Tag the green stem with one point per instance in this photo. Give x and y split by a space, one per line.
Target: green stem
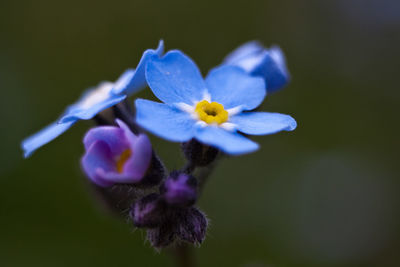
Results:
184 256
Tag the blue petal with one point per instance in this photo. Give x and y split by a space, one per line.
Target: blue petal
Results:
132 81
52 131
165 121
77 112
259 61
243 51
273 68
261 123
232 87
175 78
229 142
124 82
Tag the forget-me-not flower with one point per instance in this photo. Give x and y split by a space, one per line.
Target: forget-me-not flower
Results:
212 111
93 101
256 60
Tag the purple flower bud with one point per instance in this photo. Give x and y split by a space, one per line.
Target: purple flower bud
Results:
179 189
115 155
188 224
147 212
193 226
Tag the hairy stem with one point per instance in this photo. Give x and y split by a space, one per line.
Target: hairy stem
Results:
204 173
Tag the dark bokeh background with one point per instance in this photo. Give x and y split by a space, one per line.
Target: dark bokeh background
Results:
326 194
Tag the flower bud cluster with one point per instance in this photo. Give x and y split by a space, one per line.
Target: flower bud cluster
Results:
170 215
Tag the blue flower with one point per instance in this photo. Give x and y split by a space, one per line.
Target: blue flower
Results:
93 101
256 60
212 111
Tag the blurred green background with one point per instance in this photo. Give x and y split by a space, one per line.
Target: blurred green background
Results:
326 194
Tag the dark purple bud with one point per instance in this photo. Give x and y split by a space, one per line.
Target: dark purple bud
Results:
162 236
179 189
148 212
198 153
193 226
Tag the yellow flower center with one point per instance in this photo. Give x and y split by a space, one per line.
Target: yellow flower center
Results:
211 112
122 160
